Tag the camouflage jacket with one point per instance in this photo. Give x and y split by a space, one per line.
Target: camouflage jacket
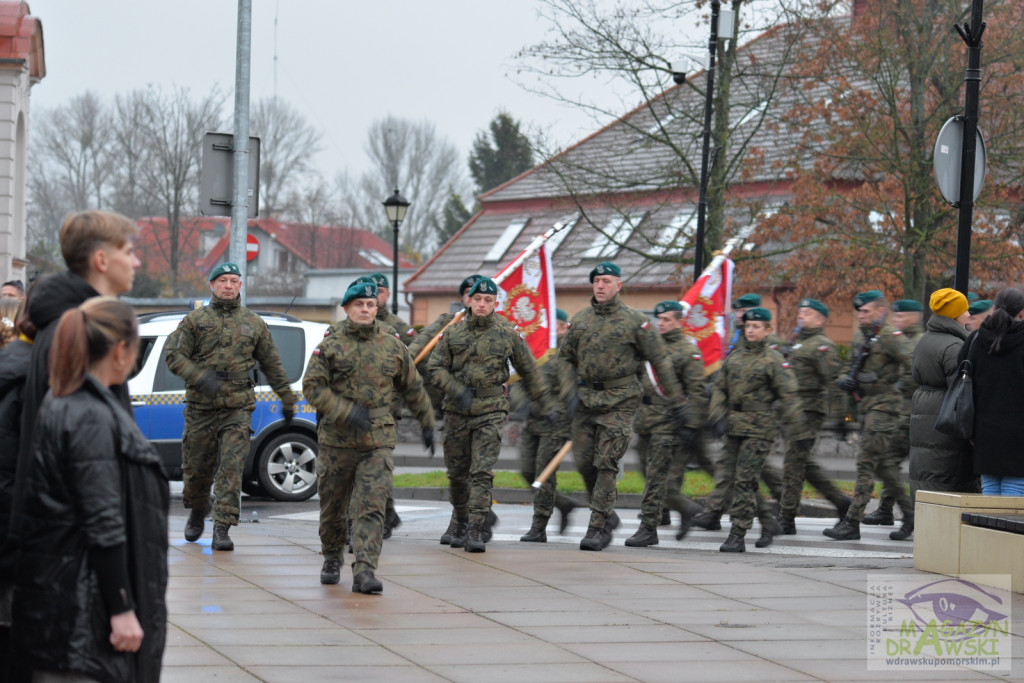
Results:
608 342
654 416
362 365
886 375
424 336
474 353
404 330
815 364
553 371
751 380
229 338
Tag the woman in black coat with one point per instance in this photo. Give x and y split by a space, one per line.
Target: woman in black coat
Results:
90 586
996 351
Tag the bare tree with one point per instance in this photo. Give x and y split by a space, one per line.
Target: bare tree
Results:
129 143
287 145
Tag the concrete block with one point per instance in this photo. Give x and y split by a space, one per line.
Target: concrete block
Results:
988 551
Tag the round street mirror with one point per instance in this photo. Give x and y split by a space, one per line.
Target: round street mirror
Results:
946 159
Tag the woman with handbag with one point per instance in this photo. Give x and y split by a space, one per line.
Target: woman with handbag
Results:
996 352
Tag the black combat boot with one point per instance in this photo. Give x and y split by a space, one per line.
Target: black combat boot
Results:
474 541
643 538
712 521
787 526
330 573
366 582
195 524
459 535
768 533
390 524
446 537
843 506
733 544
904 532
486 529
596 539
845 530
536 534
221 540
666 518
565 506
880 517
612 522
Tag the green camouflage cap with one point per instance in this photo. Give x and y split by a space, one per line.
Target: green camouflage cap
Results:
907 306
757 314
469 282
484 285
380 280
747 301
360 290
225 269
666 306
980 306
814 304
561 315
866 298
605 268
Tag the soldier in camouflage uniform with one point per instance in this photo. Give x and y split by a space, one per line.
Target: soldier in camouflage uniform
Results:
385 315
470 365
662 443
752 379
815 363
885 438
906 317
605 348
540 441
350 380
215 350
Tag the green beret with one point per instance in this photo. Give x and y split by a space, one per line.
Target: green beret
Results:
758 314
605 268
866 298
666 306
907 306
225 269
469 282
979 306
816 305
380 280
360 290
361 279
972 297
747 301
561 315
484 285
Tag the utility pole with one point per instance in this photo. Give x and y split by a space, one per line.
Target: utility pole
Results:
702 201
240 174
971 34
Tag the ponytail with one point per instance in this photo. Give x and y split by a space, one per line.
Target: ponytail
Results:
84 336
1007 306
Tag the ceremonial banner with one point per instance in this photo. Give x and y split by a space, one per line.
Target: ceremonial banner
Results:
708 300
526 296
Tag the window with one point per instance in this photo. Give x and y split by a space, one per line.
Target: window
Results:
675 235
376 258
615 233
753 113
509 236
556 240
291 346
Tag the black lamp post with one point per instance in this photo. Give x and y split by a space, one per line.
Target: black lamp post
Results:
702 200
395 207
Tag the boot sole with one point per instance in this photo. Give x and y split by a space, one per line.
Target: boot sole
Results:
476 548
732 550
855 537
533 540
330 580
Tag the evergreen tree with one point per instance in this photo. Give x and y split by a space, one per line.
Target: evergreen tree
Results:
501 155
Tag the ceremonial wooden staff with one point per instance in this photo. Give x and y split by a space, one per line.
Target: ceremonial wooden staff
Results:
498 279
553 465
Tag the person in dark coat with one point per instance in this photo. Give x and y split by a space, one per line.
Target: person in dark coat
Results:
996 352
938 462
89 595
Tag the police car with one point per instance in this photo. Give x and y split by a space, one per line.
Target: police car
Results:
282 459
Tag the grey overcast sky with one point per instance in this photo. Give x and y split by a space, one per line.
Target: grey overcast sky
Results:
342 63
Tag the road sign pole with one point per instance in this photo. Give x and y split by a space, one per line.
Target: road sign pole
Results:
971 35
240 176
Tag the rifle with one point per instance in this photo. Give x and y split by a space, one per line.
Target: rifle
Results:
792 340
862 354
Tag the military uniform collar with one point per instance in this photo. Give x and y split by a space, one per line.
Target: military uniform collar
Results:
755 346
478 321
607 307
225 304
673 336
808 332
360 331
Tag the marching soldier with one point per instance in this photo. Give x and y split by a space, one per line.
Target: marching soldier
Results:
884 435
470 366
663 444
978 311
384 315
815 364
350 379
215 349
605 347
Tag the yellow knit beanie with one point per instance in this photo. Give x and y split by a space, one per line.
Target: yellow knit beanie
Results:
948 303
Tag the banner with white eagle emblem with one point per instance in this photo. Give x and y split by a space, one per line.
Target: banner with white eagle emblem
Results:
707 302
526 296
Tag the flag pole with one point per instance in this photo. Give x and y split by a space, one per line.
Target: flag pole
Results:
719 256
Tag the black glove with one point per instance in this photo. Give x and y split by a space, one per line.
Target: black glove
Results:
572 405
358 419
428 439
849 385
688 437
287 412
720 427
464 401
208 383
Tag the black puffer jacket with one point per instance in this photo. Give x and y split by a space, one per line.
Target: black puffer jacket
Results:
94 482
14 360
937 462
998 397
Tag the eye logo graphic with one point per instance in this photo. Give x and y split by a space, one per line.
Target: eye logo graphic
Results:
956 603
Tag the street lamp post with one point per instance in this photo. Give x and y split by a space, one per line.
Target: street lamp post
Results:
702 200
395 207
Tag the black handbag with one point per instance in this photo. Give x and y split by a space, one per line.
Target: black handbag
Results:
956 415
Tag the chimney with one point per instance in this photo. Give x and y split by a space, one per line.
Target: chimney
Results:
857 8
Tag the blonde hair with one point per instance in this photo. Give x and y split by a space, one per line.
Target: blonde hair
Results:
10 309
84 336
86 231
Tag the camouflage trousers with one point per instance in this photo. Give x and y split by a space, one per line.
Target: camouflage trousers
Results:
678 463
719 498
353 483
599 440
799 466
657 453
214 447
884 442
888 501
535 452
747 454
471 447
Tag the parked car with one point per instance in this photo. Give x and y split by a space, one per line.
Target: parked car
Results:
282 459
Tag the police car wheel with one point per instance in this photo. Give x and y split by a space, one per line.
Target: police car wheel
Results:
287 467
